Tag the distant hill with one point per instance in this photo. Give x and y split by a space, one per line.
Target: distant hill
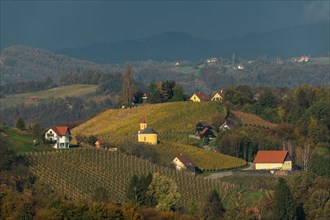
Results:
21 63
288 42
42 96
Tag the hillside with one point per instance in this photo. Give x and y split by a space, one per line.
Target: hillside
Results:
77 173
20 141
173 122
21 63
253 120
57 92
174 117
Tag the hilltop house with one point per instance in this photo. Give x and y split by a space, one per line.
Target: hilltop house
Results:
218 96
145 134
59 135
199 97
183 162
273 160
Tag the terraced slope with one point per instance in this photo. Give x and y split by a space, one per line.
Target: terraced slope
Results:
77 173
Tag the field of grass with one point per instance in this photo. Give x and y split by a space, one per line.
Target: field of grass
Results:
58 92
250 197
174 117
253 120
21 141
76 173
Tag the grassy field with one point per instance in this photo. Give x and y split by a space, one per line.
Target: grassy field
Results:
174 117
77 173
21 141
58 92
251 198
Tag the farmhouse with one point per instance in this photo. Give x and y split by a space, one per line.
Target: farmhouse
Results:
99 144
218 96
199 97
183 162
145 134
273 160
59 136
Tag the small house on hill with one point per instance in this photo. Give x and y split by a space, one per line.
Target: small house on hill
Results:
183 162
199 97
59 136
100 144
145 134
204 130
200 126
218 96
273 160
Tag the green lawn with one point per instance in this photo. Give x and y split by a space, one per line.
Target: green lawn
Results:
21 141
250 197
58 92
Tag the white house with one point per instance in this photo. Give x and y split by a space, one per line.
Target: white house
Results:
59 136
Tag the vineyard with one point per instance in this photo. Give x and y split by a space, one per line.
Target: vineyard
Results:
205 160
77 173
253 120
176 117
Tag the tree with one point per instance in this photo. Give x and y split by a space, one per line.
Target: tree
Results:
154 95
20 123
213 208
284 206
137 189
236 208
178 94
164 191
36 131
128 87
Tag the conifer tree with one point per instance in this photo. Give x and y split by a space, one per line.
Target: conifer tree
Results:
213 208
284 205
20 123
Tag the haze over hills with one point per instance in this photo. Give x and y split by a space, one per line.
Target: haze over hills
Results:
312 39
22 63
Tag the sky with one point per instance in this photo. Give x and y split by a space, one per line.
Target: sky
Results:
59 24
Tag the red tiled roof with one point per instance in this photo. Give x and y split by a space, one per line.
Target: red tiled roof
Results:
202 96
60 130
204 130
143 120
186 161
271 156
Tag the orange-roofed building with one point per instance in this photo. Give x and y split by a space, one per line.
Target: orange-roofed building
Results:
59 136
273 160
